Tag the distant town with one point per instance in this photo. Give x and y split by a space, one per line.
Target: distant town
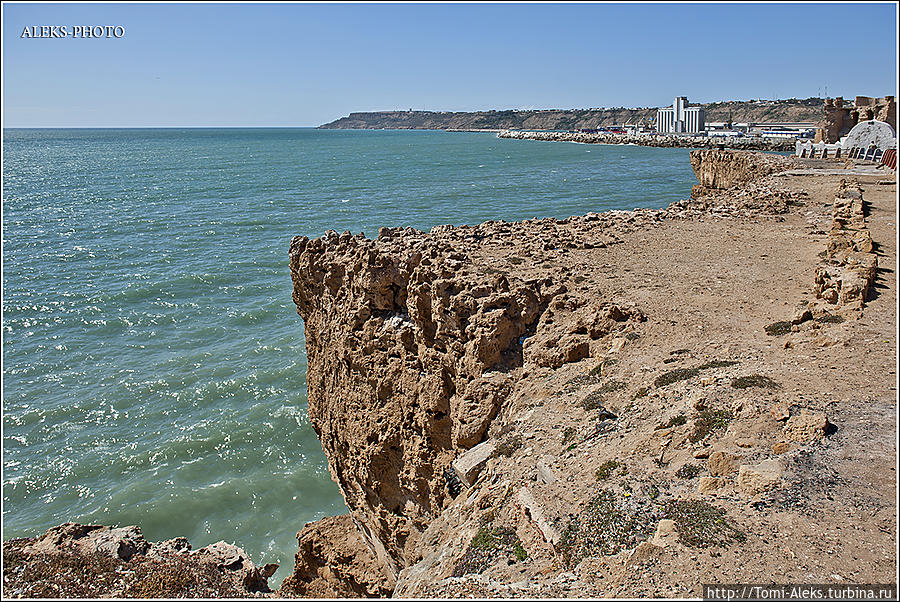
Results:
681 118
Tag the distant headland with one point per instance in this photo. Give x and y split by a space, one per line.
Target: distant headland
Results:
768 111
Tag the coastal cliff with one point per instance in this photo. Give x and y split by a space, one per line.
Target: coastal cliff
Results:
618 404
587 406
414 347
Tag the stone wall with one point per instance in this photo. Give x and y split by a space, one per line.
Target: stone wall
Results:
839 120
850 263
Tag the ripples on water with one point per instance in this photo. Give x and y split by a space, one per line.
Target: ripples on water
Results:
153 363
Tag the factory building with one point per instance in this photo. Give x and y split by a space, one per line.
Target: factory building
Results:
680 119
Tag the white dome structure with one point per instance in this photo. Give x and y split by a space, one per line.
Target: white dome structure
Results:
867 133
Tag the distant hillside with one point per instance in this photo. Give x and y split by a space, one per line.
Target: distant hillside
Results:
792 110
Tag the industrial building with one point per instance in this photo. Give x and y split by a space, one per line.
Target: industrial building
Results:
680 119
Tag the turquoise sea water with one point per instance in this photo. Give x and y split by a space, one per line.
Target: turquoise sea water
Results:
153 362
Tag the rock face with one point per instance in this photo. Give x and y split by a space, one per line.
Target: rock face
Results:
333 561
723 169
411 353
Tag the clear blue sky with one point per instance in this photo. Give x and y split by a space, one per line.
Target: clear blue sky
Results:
306 64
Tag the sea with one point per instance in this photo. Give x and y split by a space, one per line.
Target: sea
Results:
154 366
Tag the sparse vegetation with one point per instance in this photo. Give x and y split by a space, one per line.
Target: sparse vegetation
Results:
701 525
678 420
488 546
611 386
606 525
519 551
583 380
593 401
673 376
609 523
709 421
717 364
778 328
830 319
755 380
508 445
688 471
608 468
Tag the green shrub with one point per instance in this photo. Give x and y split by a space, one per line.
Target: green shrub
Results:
688 471
701 525
487 547
708 421
606 525
673 376
605 470
778 328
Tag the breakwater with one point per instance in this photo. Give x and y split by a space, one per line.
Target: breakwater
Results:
760 144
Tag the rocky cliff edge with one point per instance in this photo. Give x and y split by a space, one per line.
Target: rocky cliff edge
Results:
587 406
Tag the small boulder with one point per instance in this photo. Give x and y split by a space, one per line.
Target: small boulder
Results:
701 453
723 463
539 516
544 472
711 485
666 534
757 478
781 447
806 427
801 315
469 464
780 411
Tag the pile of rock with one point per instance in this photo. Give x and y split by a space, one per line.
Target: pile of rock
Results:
657 140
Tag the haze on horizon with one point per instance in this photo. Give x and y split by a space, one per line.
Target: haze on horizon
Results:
188 65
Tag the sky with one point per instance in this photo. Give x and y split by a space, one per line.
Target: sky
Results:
204 65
